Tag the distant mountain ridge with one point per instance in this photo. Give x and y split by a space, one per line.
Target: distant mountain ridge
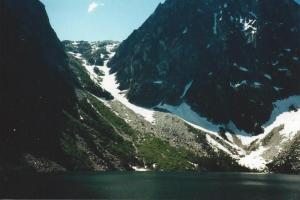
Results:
229 60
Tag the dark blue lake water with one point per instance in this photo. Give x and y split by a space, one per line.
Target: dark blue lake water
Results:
210 186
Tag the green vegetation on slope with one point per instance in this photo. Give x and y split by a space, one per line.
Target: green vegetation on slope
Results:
93 138
161 156
104 131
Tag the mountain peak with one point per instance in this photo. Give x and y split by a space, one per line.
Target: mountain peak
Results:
239 56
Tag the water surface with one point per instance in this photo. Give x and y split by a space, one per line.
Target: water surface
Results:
155 186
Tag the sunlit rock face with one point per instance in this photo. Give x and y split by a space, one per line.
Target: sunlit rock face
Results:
229 60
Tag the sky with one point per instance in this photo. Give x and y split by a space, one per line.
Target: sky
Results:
95 20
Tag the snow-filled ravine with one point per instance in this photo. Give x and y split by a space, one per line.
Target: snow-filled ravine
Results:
255 159
109 83
281 115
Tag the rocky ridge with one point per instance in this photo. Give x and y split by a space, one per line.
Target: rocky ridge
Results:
226 60
256 153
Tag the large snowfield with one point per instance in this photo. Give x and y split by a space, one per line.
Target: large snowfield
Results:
281 115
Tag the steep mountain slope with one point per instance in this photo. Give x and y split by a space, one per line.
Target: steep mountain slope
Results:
35 80
51 117
56 116
64 111
166 141
227 60
289 159
158 145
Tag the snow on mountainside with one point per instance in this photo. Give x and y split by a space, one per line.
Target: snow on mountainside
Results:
53 122
281 129
282 115
110 84
241 55
254 152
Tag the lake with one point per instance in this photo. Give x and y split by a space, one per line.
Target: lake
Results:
153 185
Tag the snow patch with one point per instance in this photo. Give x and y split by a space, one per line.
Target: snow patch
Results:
243 69
216 145
185 30
288 50
139 169
158 82
215 24
283 69
257 85
186 89
89 68
249 24
194 164
110 84
229 137
185 112
254 160
280 116
275 63
245 138
277 88
75 43
237 85
268 76
253 14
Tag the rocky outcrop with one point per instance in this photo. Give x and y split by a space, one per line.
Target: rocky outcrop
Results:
288 160
228 59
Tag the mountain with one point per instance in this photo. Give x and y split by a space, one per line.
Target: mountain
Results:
52 119
57 117
156 144
227 60
62 109
35 80
166 141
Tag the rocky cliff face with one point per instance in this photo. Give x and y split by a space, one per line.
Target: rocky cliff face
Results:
165 142
56 116
50 116
35 79
229 60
